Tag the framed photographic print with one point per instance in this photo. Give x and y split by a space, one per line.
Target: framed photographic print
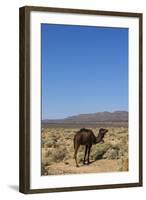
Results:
80 99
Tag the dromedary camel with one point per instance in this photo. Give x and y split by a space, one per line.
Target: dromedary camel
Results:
86 137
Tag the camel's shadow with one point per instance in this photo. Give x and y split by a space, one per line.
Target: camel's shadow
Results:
87 164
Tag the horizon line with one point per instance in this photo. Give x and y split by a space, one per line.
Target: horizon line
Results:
84 114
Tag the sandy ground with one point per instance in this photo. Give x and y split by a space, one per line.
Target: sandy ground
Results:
94 167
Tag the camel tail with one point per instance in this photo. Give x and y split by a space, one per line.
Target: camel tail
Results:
74 141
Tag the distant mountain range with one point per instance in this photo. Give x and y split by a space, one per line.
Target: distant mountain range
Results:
117 116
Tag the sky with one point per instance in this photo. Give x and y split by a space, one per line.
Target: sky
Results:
83 70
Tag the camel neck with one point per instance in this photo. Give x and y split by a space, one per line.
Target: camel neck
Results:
99 138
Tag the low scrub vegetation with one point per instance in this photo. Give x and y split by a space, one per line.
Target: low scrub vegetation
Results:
57 147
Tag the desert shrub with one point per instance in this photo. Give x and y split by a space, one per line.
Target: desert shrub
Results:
122 130
50 143
52 155
116 151
59 154
67 157
67 131
111 153
46 156
116 146
68 134
56 145
100 150
44 152
123 151
68 137
43 143
123 164
80 157
43 170
124 140
48 160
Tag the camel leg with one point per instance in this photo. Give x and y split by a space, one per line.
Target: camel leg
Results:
86 147
89 149
75 154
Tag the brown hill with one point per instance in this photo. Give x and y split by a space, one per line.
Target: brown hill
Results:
117 116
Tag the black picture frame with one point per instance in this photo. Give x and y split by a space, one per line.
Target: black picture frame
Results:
24 142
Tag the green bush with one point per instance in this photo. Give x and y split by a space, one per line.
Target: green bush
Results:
100 150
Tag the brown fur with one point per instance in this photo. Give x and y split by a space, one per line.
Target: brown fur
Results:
86 137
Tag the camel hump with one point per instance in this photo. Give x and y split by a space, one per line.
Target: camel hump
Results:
84 129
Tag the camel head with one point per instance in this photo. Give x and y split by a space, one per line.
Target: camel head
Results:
103 131
101 135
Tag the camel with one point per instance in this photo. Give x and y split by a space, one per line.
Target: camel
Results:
86 137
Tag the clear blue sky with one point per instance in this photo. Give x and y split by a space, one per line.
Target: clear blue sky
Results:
84 70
